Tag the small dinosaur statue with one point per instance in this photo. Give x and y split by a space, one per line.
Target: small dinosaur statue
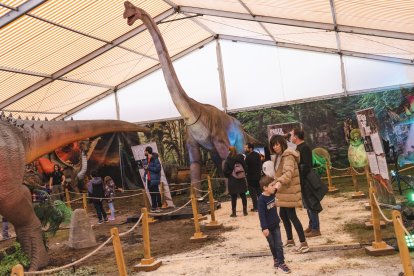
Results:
207 126
21 142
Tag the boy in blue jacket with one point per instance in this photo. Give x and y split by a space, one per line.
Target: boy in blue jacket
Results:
269 222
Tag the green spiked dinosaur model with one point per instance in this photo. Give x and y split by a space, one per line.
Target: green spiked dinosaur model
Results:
23 141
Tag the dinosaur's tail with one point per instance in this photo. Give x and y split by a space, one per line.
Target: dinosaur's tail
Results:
45 136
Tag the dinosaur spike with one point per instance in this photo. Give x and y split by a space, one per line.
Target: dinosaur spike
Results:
10 115
27 118
38 118
32 126
41 126
19 117
33 118
22 125
71 118
46 119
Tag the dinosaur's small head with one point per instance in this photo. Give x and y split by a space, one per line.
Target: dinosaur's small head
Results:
131 13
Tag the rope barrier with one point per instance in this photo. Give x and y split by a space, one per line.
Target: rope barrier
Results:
379 209
403 227
133 227
203 191
73 263
171 212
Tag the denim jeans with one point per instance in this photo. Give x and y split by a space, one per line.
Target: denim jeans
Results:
313 219
5 229
111 207
275 243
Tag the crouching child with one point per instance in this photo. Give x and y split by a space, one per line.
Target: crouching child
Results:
269 222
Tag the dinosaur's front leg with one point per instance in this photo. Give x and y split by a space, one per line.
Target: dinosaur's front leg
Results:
16 203
195 163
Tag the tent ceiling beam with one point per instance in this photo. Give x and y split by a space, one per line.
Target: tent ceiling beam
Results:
315 49
134 79
83 60
31 112
20 11
298 23
37 74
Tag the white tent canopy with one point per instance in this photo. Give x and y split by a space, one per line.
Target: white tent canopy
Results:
62 58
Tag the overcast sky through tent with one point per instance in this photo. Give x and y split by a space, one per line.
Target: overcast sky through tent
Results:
254 74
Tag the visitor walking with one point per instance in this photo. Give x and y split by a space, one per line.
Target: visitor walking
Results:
236 186
288 189
109 189
253 173
311 202
152 176
96 191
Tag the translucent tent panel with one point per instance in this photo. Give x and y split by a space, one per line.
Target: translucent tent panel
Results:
315 10
59 47
57 97
226 5
12 83
148 98
307 75
378 45
178 36
379 14
114 66
235 27
13 3
102 19
100 110
252 74
304 36
362 74
275 75
3 11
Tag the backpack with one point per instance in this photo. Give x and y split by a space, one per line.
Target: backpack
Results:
238 171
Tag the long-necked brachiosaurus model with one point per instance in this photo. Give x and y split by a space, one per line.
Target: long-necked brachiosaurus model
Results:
207 126
23 141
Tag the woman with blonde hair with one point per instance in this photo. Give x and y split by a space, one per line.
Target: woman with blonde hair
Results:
109 188
288 194
236 185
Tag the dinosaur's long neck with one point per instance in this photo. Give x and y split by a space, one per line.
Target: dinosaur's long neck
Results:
183 103
43 137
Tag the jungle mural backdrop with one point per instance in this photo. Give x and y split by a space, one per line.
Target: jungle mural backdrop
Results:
328 124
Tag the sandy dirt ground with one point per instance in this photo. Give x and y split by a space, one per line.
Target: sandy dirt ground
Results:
244 250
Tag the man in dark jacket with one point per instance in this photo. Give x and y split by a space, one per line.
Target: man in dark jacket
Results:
152 176
95 189
310 202
253 173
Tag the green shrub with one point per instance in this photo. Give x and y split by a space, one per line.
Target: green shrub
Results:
12 259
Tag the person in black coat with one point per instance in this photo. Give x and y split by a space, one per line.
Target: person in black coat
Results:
310 201
235 186
96 190
253 173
